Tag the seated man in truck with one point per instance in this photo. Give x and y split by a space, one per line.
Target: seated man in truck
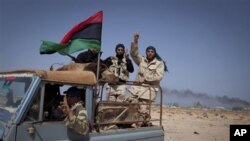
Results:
76 115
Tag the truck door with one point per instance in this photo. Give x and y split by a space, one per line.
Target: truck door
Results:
36 126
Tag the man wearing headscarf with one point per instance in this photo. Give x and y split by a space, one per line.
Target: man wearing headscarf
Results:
120 65
89 56
150 73
76 114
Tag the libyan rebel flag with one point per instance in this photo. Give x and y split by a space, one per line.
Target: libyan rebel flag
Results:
84 35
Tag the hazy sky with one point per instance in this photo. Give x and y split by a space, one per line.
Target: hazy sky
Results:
205 42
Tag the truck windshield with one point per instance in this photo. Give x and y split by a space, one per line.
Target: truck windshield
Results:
13 88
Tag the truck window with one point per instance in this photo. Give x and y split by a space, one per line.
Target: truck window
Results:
52 98
33 112
53 95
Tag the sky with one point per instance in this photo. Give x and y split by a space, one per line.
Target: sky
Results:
204 42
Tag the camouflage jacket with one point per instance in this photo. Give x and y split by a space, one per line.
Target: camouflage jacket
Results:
150 72
80 122
121 71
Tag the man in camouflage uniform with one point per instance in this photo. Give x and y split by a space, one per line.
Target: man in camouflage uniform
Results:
76 115
120 65
150 73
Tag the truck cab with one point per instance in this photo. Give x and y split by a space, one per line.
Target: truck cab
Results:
29 101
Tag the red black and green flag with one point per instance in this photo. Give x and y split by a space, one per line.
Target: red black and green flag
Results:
84 35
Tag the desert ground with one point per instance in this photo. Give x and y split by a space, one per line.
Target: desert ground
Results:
193 124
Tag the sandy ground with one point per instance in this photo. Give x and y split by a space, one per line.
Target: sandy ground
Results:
193 124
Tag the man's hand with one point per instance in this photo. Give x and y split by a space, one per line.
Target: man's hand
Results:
64 106
113 58
136 37
126 55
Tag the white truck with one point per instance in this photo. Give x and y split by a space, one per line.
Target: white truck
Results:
29 101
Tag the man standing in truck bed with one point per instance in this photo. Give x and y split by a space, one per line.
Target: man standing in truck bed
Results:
150 73
120 65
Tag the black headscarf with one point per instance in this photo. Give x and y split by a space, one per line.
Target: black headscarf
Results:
119 45
157 56
121 55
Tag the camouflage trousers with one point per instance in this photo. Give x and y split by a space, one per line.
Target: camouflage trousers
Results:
143 111
116 92
144 96
143 92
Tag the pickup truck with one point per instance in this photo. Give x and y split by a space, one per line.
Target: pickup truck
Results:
28 109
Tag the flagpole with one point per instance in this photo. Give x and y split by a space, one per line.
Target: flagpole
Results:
98 66
95 91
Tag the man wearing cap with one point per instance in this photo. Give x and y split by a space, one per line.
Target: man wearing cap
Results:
150 73
76 115
120 65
